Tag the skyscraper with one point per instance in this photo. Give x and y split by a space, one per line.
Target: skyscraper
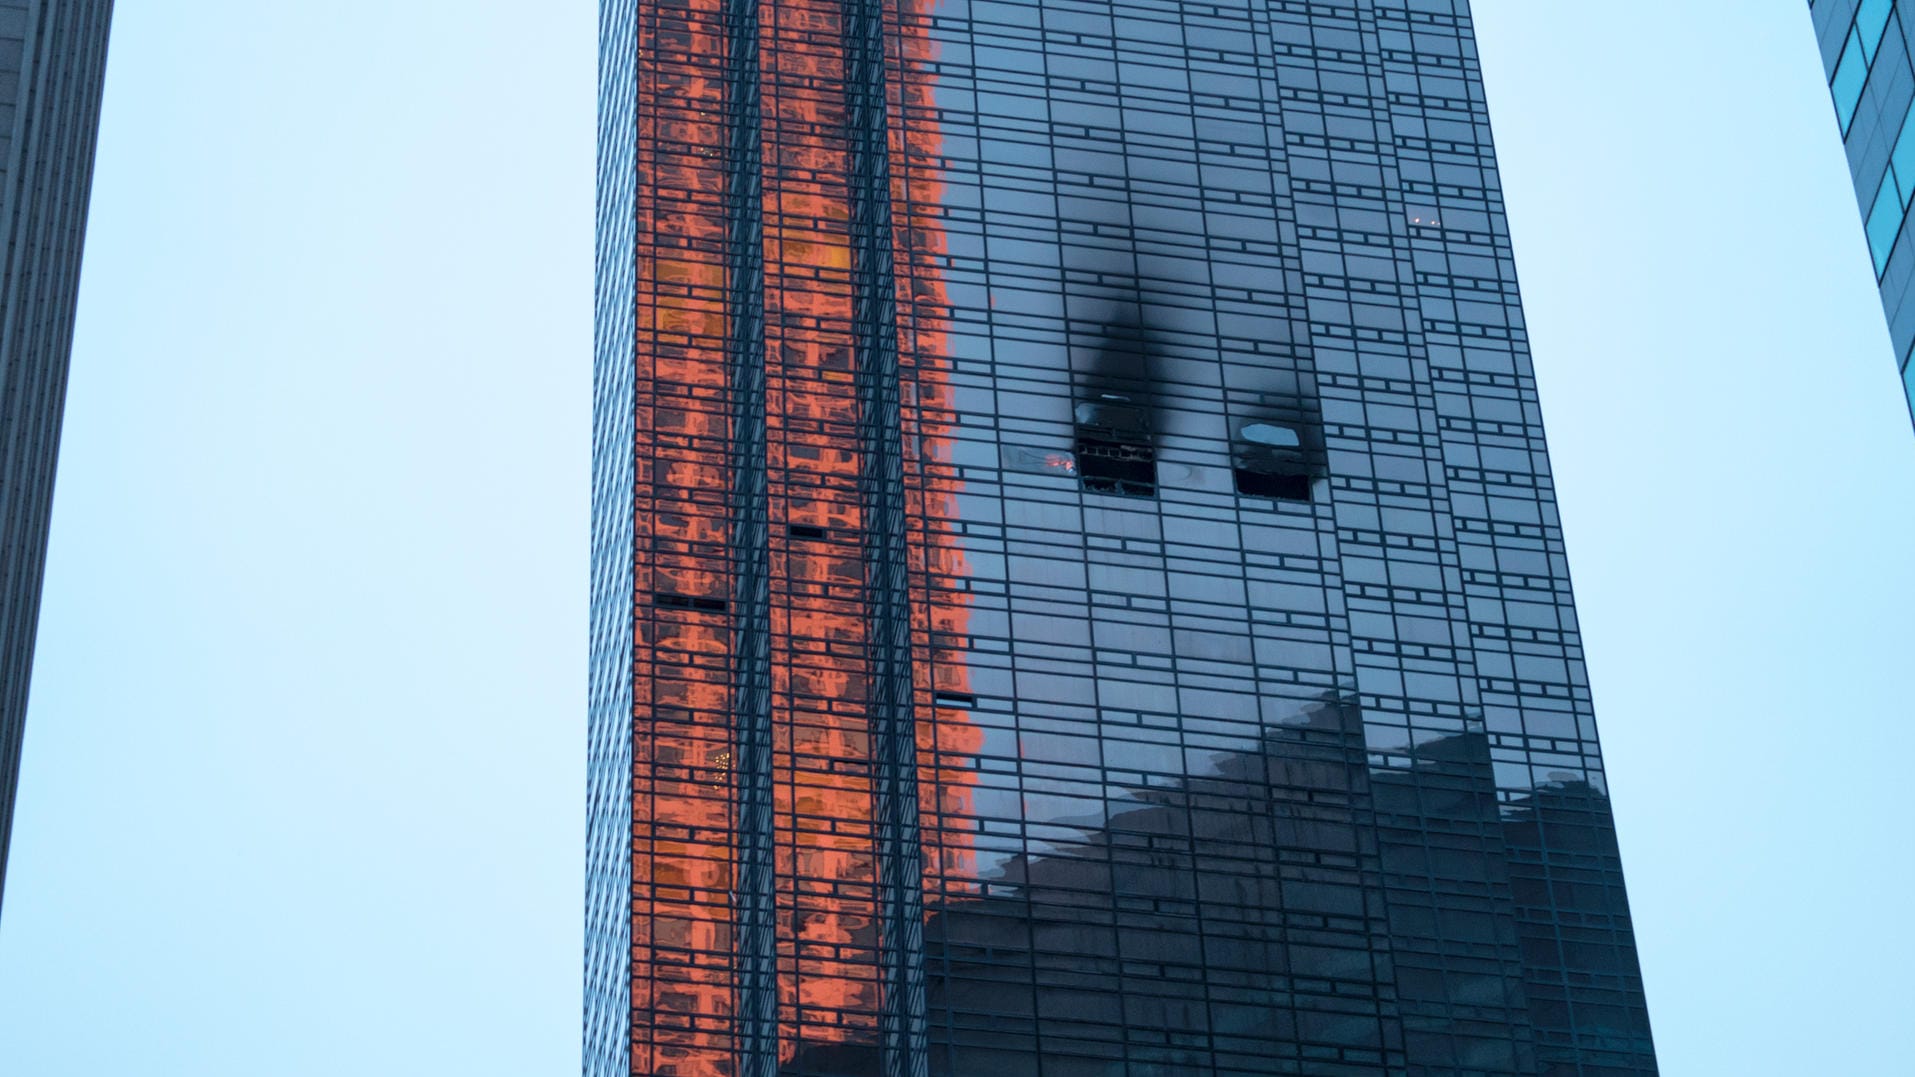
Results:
52 63
1865 53
1077 584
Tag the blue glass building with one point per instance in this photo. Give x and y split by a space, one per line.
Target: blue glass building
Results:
1866 47
1077 581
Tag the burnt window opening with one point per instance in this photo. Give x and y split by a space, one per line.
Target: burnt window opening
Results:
698 603
1253 483
1272 459
1113 448
807 532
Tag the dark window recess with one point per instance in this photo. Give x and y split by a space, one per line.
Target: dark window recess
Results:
957 699
1114 450
691 602
1264 484
1271 460
806 531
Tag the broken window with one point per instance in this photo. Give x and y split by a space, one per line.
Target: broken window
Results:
1270 459
1113 449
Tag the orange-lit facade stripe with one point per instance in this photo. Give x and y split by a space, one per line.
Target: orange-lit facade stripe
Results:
685 961
682 925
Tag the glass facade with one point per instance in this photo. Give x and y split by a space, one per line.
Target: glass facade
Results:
1866 48
52 68
1077 584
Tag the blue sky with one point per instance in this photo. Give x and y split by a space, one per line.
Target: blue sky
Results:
303 785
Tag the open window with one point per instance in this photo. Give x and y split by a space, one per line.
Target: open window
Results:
698 603
1113 448
1272 458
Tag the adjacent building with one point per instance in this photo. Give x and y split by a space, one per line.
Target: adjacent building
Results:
1077 586
1866 47
52 64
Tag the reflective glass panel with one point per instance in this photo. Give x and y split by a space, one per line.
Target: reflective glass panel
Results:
1851 73
1884 224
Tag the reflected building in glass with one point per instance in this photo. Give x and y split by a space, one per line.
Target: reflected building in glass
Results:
1077 584
1866 48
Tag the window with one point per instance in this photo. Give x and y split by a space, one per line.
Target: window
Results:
1901 159
1894 195
1884 223
1908 381
1858 55
699 603
1114 450
1851 72
1870 21
1270 460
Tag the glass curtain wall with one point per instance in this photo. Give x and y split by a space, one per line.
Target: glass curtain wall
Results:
1079 586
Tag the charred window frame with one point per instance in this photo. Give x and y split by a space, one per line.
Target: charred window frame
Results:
1277 456
1113 446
